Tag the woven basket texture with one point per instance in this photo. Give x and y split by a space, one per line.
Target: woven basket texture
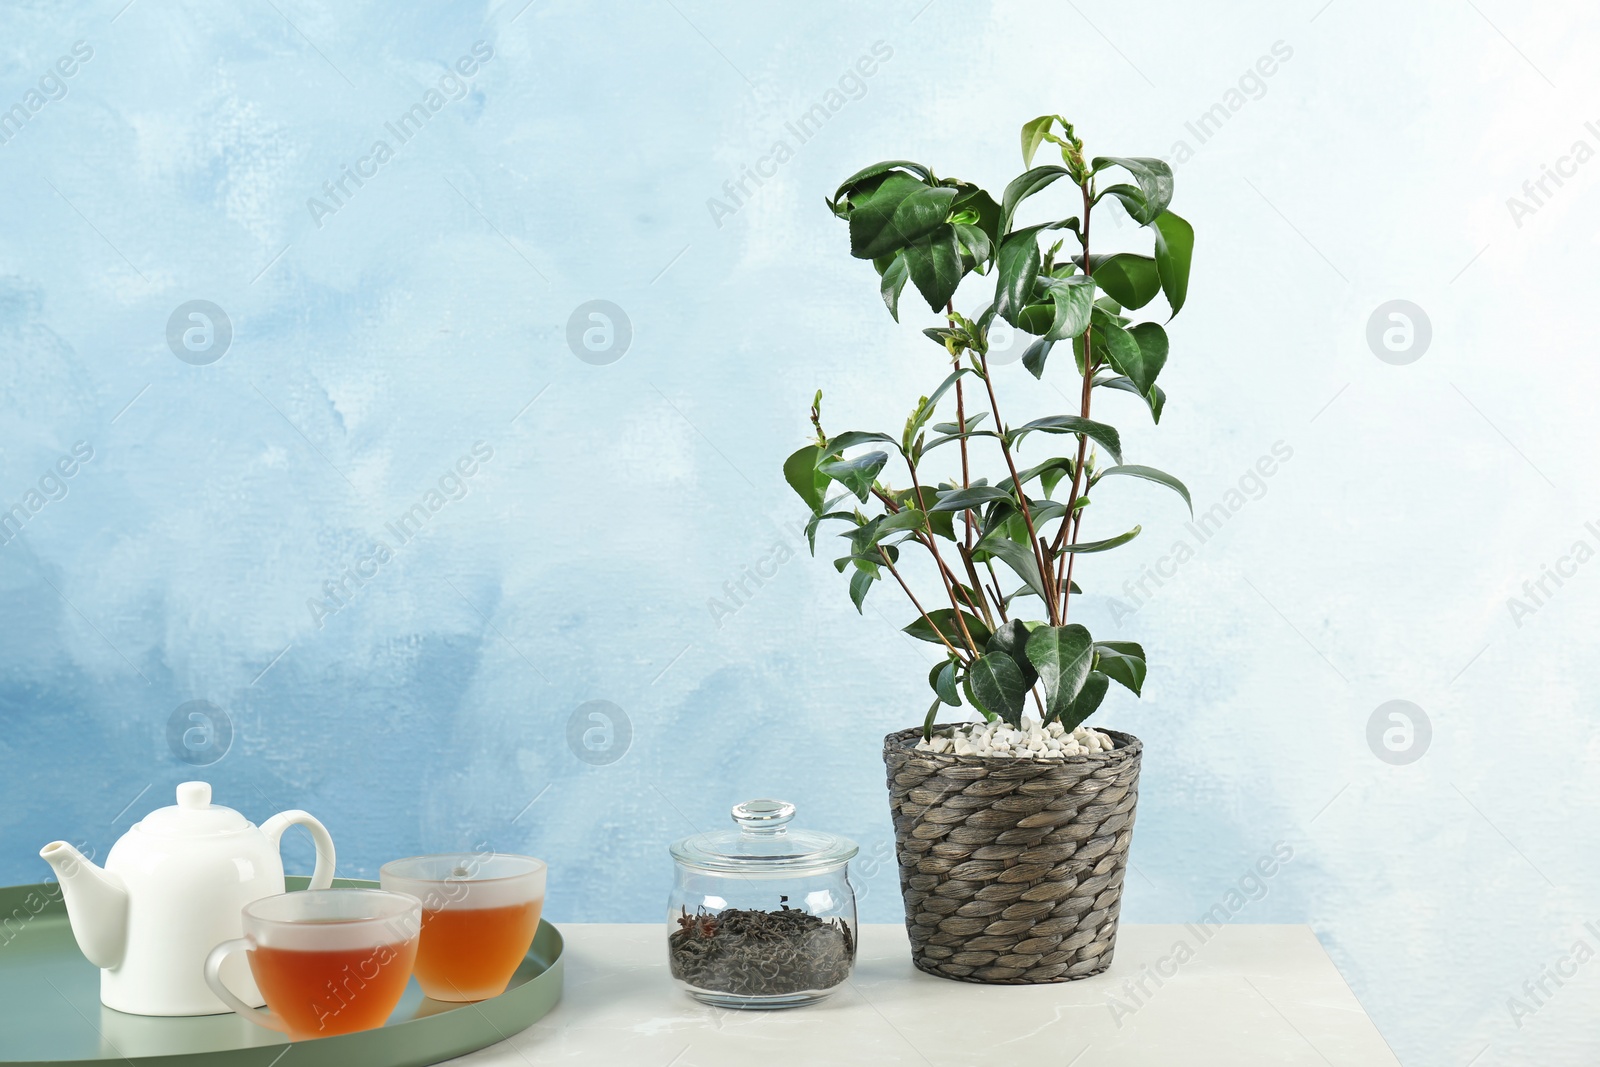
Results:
1012 869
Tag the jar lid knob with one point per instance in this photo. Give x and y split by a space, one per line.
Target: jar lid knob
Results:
763 816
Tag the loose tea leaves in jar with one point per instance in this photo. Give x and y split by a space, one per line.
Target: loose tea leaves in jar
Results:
760 953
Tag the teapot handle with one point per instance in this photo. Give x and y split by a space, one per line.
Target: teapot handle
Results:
322 875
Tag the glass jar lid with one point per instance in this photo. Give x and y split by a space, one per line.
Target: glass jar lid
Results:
763 842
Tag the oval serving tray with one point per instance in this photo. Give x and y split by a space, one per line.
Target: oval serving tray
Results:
51 1015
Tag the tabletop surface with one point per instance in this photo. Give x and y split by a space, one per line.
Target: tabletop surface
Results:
1191 995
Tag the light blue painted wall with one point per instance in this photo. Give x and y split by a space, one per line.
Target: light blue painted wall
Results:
422 318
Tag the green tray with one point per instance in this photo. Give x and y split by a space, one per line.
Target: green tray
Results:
51 1015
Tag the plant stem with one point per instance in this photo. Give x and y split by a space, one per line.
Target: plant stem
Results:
1046 572
945 574
918 604
1074 518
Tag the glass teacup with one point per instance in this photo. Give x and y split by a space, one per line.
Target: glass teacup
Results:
479 914
327 961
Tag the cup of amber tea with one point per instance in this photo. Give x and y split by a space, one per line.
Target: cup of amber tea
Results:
327 961
480 911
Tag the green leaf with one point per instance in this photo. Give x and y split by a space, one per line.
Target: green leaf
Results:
1024 186
1062 655
1154 178
1102 546
800 471
935 264
1132 200
1074 302
1011 639
871 216
944 619
860 582
1123 662
856 475
1034 357
924 412
882 168
997 686
1033 135
1087 700
975 201
851 438
973 418
1017 268
1155 399
970 499
1099 432
893 282
1019 558
1152 342
1120 347
1150 474
904 519
975 243
1174 250
1132 281
943 680
916 215
1049 473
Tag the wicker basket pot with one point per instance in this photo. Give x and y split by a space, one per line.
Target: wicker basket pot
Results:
1011 869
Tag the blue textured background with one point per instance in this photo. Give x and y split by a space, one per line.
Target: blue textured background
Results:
429 313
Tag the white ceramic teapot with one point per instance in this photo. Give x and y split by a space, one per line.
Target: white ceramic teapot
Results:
171 890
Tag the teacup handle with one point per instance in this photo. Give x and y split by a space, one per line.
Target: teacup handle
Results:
224 994
322 874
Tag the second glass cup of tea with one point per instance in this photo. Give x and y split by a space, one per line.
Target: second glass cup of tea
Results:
480 911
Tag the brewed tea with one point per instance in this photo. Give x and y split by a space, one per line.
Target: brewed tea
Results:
318 993
471 953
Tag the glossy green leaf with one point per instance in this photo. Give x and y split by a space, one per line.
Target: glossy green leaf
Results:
1033 135
1152 342
1016 270
851 438
1133 201
1132 281
972 421
1087 700
942 678
1073 299
1120 347
1174 250
945 620
882 168
915 216
1019 558
1062 655
1024 186
1150 474
871 216
800 471
1101 546
1033 359
1099 432
935 264
971 200
970 499
1123 662
893 283
1011 639
904 519
1153 176
1155 399
856 475
998 686
860 582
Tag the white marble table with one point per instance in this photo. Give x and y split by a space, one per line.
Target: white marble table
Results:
1243 995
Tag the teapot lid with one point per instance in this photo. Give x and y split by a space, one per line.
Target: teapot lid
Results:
193 815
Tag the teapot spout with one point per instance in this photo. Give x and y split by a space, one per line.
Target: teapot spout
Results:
97 903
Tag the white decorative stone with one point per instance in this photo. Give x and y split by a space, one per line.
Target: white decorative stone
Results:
1030 741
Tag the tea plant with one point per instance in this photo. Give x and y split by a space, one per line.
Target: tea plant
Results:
933 232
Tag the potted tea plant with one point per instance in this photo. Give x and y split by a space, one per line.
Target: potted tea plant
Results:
1011 832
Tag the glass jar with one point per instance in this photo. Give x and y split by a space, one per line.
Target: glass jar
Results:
762 916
